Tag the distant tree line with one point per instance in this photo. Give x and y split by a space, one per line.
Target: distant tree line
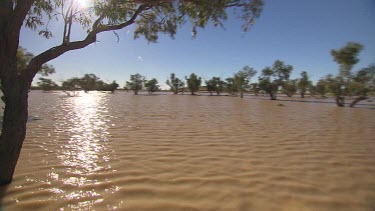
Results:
272 81
89 82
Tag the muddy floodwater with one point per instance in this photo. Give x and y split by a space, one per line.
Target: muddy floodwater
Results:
102 151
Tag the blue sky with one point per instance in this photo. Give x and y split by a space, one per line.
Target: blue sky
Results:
299 32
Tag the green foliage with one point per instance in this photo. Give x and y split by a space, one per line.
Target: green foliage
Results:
215 85
335 85
266 85
89 82
346 57
150 16
363 81
303 83
231 86
273 78
71 84
242 79
193 83
321 87
345 84
290 87
152 85
254 87
135 83
175 83
23 59
102 86
46 84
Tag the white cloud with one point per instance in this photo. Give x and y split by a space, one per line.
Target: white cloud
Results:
140 58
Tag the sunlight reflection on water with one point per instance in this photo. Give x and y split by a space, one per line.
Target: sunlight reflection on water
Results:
87 152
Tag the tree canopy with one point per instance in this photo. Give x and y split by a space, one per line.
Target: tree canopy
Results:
46 84
175 83
342 85
136 83
242 79
152 85
347 57
274 77
303 83
215 84
193 83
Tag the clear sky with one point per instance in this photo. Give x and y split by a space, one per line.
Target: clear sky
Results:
299 32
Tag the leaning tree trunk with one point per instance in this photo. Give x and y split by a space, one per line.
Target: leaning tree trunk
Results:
15 94
357 100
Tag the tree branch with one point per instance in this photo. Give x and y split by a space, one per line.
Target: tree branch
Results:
140 9
52 53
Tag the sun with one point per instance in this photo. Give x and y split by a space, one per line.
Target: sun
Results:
84 3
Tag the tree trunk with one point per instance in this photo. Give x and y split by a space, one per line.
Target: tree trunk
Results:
340 101
302 94
14 125
357 100
272 96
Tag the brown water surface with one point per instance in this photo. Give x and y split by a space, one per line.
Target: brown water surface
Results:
104 151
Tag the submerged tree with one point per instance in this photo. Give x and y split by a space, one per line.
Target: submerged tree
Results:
150 17
242 79
231 86
46 84
152 85
89 82
254 87
215 84
290 87
102 86
321 87
135 83
363 83
303 83
274 77
71 84
175 83
193 83
346 57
